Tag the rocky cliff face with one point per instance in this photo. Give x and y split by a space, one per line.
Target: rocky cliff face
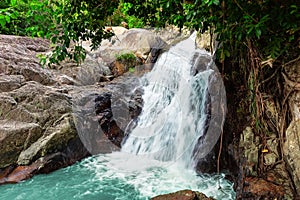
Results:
291 148
53 117
266 167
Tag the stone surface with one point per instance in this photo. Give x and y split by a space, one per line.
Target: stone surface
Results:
183 195
11 82
292 151
250 148
144 44
292 85
291 147
257 188
14 138
53 117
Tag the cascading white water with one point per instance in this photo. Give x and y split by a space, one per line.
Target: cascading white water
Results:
174 111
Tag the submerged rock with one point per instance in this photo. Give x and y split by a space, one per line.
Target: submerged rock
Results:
183 195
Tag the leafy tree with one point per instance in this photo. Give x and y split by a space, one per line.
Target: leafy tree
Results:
65 22
257 39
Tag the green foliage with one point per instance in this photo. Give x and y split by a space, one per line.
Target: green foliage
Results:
25 17
131 69
121 15
273 26
128 57
65 22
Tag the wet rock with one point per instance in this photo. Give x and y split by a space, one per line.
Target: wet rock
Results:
278 175
18 174
101 117
183 195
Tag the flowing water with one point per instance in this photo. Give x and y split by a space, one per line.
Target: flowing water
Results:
159 153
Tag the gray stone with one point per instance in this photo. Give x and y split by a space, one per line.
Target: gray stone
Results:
53 140
250 146
10 82
14 137
292 151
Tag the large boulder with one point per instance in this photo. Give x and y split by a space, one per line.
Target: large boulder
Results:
143 44
53 117
14 138
183 195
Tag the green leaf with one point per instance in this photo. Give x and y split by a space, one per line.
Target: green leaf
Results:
216 2
7 18
13 3
250 30
227 53
2 21
14 15
258 33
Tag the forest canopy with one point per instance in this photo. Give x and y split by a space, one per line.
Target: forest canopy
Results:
272 26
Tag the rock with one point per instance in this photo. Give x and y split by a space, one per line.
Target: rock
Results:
36 73
171 34
257 188
183 195
18 174
38 106
292 152
19 57
7 103
272 155
144 44
53 140
141 41
278 175
11 82
250 146
14 137
102 116
291 146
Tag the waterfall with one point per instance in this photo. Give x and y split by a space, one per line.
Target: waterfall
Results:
176 111
183 113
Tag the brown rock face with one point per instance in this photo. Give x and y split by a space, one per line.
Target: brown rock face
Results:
183 195
257 188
